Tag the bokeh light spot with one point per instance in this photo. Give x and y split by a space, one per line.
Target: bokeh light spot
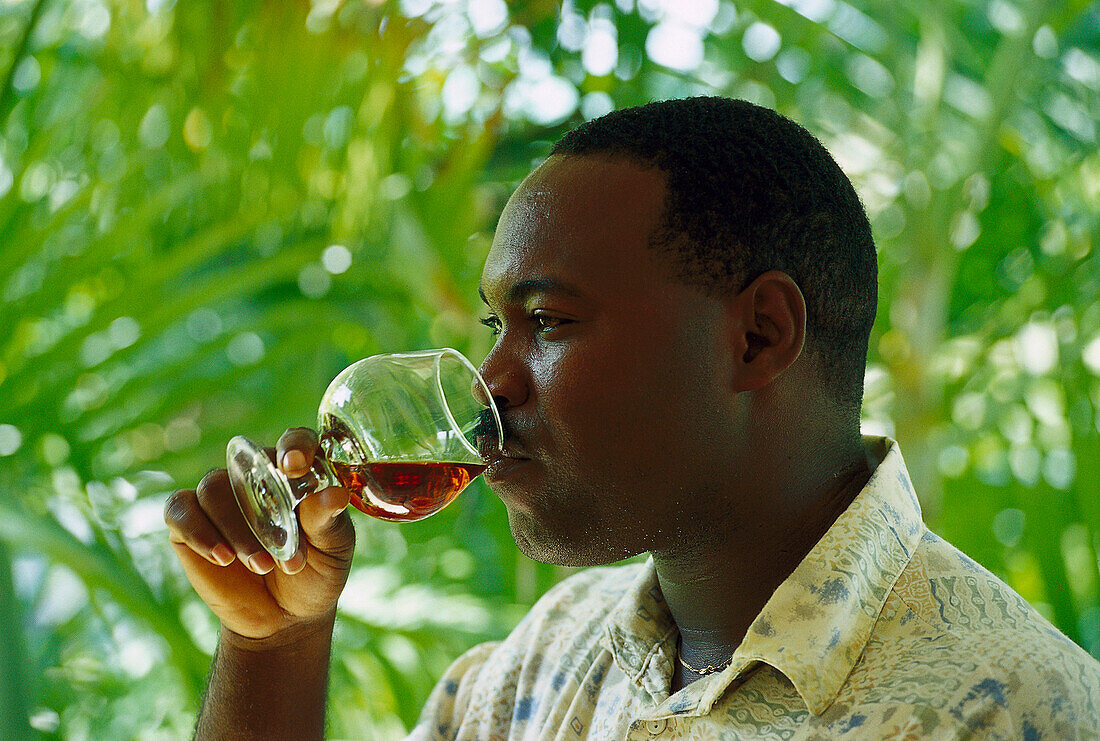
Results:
45 720
123 332
314 281
6 178
1036 348
395 186
1090 355
337 127
55 449
601 50
1045 43
953 461
1060 468
761 42
817 11
155 127
1008 526
27 75
1082 67
545 102
336 258
245 349
203 325
596 104
1006 18
1024 462
415 8
674 46
197 130
37 180
572 31
95 20
459 93
487 17
965 230
793 65
695 13
869 76
182 433
11 439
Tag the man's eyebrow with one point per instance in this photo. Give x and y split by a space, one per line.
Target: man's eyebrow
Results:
520 291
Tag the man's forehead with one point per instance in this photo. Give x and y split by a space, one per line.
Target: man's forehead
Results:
532 208
528 258
575 225
581 201
593 188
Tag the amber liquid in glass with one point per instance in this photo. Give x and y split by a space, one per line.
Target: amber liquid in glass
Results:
402 492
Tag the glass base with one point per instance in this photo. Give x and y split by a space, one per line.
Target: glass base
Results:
264 496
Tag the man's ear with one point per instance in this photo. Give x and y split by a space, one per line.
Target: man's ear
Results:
767 322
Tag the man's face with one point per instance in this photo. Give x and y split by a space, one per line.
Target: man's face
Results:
612 376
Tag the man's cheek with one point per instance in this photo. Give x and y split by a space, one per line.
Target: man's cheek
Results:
611 422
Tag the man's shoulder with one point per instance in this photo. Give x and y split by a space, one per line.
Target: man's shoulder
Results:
954 594
950 618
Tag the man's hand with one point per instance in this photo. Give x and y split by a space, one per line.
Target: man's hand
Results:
253 595
277 618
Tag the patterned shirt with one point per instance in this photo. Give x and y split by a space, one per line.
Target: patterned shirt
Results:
883 631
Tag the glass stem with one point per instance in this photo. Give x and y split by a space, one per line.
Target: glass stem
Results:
319 476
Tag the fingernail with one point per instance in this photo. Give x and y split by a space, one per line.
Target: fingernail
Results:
295 564
222 554
293 460
261 563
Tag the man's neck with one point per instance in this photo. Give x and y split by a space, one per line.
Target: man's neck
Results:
717 586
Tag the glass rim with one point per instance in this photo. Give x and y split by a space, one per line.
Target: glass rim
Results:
439 353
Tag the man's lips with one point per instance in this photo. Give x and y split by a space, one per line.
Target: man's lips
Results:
502 462
502 466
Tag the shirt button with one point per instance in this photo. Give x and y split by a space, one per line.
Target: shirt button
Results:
656 726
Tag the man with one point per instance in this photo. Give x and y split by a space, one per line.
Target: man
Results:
682 295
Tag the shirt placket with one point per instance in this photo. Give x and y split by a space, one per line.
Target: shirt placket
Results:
673 717
643 730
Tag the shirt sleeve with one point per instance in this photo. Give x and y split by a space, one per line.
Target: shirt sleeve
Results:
443 712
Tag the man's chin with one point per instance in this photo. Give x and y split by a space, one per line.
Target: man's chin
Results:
579 547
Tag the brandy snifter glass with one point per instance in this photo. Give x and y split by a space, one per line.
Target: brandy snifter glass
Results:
400 431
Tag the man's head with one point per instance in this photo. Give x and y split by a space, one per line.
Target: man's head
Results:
750 191
647 282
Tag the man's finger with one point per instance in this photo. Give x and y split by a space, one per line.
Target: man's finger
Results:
188 525
295 451
215 497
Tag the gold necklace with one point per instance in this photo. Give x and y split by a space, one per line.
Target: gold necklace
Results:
708 669
855 469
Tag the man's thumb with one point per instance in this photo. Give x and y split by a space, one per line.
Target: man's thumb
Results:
326 523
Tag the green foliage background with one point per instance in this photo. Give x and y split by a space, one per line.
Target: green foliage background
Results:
181 187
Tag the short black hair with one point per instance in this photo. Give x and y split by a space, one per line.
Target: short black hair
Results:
751 191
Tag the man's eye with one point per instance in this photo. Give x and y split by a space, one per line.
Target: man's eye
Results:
546 322
492 323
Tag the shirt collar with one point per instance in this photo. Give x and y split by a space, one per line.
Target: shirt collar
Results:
818 621
815 625
641 634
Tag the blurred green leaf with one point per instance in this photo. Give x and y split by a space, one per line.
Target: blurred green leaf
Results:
171 177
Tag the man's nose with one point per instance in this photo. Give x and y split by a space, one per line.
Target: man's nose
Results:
480 393
504 381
